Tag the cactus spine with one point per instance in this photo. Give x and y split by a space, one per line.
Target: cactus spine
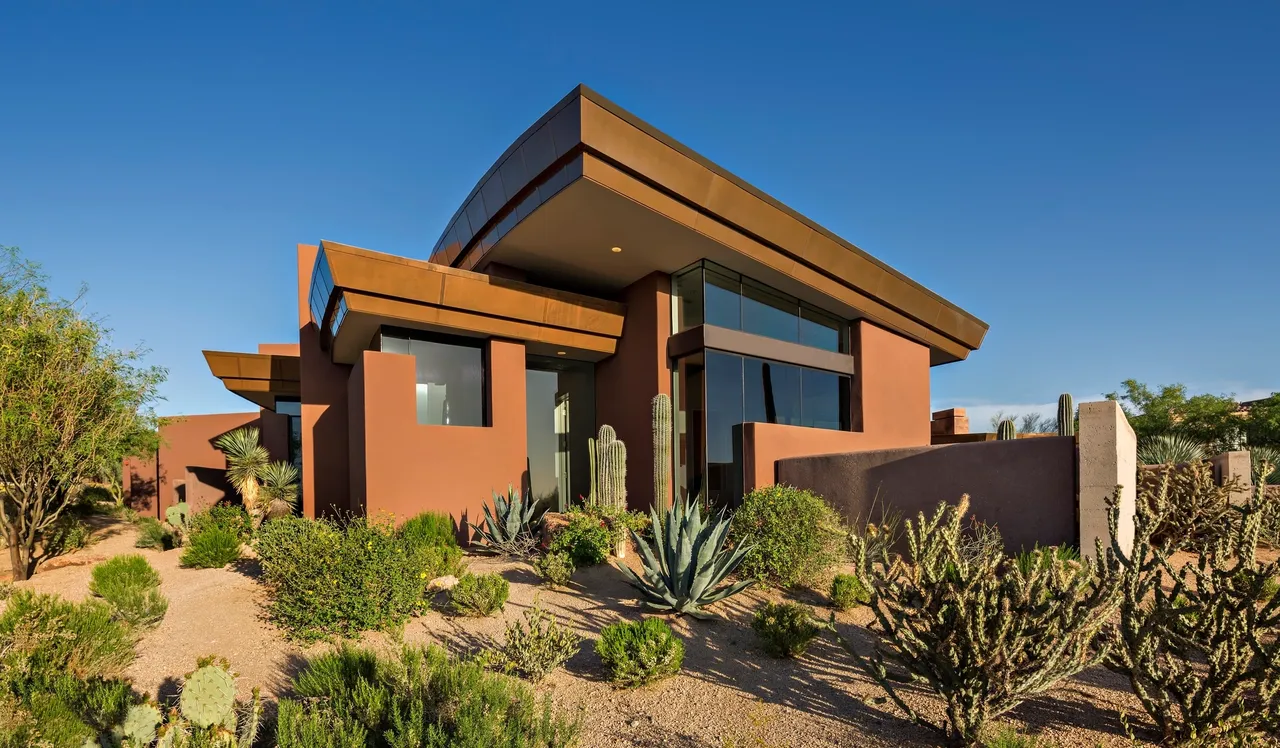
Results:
1007 430
611 461
1066 415
662 452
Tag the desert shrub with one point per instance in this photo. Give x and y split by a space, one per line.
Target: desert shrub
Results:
555 567
152 534
213 548
328 578
1045 558
479 594
785 629
795 536
848 592
231 518
354 698
131 587
1010 738
67 534
1170 449
511 524
978 632
535 646
1197 511
6 590
429 529
641 652
1200 641
586 539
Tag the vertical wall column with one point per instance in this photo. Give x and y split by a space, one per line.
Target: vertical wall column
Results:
1108 458
1238 467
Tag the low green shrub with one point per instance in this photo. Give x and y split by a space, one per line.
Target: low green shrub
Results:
67 534
429 529
848 592
354 698
785 629
213 548
795 536
586 539
231 518
131 587
640 652
556 568
536 646
479 594
328 578
152 534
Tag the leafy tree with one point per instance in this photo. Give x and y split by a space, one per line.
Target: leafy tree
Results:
1212 420
1262 426
71 406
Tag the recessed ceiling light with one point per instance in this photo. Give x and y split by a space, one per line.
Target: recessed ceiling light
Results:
616 250
561 353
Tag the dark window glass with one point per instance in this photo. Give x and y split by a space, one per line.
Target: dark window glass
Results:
687 395
688 287
766 313
821 330
724 403
772 392
826 400
450 379
723 302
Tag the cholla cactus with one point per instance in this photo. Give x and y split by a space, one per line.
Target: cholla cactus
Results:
1066 415
980 632
662 432
1007 430
509 527
1200 642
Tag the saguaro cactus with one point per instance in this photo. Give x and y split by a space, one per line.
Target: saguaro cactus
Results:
1007 430
661 453
611 461
1066 415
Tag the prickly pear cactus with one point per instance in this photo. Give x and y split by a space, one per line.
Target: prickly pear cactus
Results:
1066 415
208 696
662 452
1007 430
139 726
178 516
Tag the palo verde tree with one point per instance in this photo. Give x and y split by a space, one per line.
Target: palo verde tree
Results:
71 406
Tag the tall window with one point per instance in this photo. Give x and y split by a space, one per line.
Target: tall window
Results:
293 409
450 379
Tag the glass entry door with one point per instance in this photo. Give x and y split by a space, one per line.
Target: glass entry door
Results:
559 418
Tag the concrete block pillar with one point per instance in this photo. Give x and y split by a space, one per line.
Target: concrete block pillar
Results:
1238 466
1108 457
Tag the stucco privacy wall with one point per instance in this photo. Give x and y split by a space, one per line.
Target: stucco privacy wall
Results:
890 409
1108 458
325 459
402 468
1026 488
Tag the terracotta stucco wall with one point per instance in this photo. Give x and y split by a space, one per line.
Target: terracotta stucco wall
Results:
191 467
627 382
890 409
325 459
402 468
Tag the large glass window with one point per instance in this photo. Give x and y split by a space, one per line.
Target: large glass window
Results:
713 295
293 409
560 417
450 376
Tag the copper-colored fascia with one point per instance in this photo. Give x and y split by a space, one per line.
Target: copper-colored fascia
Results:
380 288
259 378
586 122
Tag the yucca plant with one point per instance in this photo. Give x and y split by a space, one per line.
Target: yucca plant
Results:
246 460
278 494
1169 449
509 528
685 570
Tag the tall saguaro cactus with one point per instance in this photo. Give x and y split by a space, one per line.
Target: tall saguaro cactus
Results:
1007 430
662 452
1066 415
609 471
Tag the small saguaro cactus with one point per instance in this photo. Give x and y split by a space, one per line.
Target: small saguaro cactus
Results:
662 452
611 461
1066 415
1007 430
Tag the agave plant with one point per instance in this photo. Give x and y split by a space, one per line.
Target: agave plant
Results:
246 459
509 527
1170 449
278 495
685 569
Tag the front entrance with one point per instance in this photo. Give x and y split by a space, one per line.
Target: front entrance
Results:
560 417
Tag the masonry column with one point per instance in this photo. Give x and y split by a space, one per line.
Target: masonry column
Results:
1108 457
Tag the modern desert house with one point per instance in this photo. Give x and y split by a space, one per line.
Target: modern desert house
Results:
595 265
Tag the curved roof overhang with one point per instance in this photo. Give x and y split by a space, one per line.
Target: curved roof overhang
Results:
260 378
589 176
356 291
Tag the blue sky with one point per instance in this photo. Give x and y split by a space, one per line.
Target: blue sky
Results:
1101 184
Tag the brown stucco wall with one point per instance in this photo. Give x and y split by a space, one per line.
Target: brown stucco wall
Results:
408 468
1025 487
627 382
890 409
325 459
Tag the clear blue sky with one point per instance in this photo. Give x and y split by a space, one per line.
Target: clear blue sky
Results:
1100 183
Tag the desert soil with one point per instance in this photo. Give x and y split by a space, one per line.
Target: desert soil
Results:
729 692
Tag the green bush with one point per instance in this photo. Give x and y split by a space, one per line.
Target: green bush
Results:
586 539
848 592
795 535
152 534
353 698
227 517
556 568
429 529
213 548
536 646
479 594
68 533
130 586
331 579
641 652
785 629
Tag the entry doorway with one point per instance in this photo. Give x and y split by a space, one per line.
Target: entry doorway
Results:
560 415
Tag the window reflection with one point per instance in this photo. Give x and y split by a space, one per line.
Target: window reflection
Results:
449 377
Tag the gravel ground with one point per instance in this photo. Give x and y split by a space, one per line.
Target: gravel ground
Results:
729 694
